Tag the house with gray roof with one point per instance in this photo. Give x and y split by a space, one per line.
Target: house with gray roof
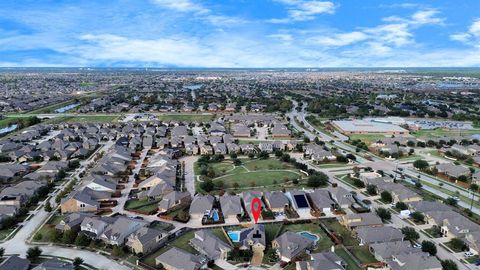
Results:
253 238
72 221
54 264
353 221
384 251
117 232
290 245
175 258
14 263
173 200
206 243
370 235
145 240
322 261
407 261
201 205
321 201
452 170
231 206
276 201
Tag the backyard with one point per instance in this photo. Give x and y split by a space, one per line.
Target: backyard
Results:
323 244
181 242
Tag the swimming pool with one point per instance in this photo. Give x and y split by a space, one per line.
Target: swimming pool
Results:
215 216
310 236
234 235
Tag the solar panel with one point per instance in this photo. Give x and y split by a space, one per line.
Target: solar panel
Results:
301 201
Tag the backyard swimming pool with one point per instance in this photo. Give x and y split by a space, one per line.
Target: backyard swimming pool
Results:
234 235
310 236
215 216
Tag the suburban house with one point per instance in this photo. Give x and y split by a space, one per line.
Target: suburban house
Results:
231 207
353 221
321 201
86 200
371 235
290 245
117 232
72 221
175 258
407 261
14 262
145 240
384 251
201 205
173 200
452 170
253 238
325 260
210 245
276 201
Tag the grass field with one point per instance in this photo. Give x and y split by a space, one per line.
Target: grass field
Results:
441 132
366 138
268 173
142 205
323 244
8 121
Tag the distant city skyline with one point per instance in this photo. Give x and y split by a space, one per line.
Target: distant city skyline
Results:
240 34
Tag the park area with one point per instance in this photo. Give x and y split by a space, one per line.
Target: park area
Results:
269 174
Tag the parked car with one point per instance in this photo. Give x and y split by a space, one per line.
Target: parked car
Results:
468 254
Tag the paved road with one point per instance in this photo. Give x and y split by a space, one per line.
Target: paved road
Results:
189 173
396 221
19 243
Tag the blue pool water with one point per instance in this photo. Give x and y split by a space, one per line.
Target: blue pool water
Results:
234 235
310 236
215 216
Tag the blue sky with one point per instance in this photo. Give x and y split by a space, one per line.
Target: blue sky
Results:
240 33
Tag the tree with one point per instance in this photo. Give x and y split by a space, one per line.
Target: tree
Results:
2 252
82 240
33 253
48 206
77 262
474 188
207 185
458 244
449 265
451 201
371 189
410 234
117 251
358 183
418 217
317 180
401 206
69 237
386 197
420 164
429 247
384 214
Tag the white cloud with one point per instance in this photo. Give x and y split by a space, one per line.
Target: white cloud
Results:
182 5
337 40
426 16
471 37
303 10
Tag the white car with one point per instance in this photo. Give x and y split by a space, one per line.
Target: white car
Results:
416 245
468 254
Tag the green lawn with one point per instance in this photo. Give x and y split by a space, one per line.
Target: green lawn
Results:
441 132
142 205
339 229
180 242
267 164
258 178
351 265
362 254
366 138
323 244
5 232
271 230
